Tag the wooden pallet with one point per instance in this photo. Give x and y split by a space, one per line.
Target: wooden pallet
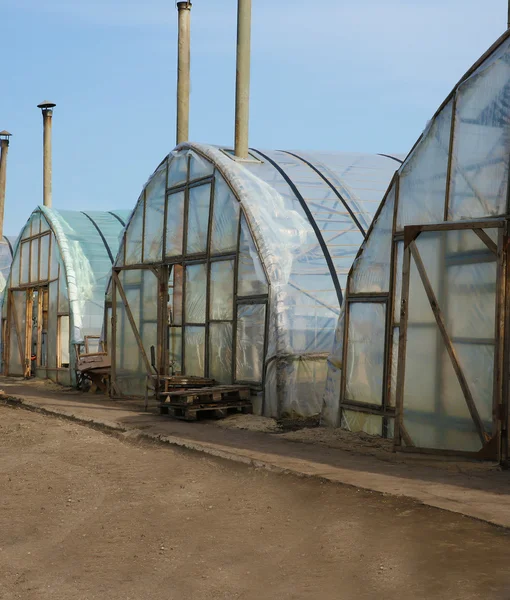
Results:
186 404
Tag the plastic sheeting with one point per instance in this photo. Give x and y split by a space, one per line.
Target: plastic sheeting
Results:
286 232
457 171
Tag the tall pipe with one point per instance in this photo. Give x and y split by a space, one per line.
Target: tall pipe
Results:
183 71
243 77
4 148
47 114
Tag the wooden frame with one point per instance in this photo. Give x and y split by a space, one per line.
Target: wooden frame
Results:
490 445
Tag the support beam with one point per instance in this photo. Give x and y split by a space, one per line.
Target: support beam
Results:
47 114
4 148
243 78
183 71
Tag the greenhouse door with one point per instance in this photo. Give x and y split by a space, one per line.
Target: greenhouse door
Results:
449 382
18 332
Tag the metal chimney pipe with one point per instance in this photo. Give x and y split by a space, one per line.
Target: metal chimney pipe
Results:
4 148
183 71
47 113
243 77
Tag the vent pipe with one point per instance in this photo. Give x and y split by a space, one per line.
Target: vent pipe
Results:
4 148
47 114
243 77
183 71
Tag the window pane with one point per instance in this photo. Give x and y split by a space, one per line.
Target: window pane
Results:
175 295
134 235
251 321
220 352
365 352
198 218
194 342
154 216
222 290
34 261
199 167
25 261
178 170
64 341
225 218
174 224
196 293
175 350
252 280
45 255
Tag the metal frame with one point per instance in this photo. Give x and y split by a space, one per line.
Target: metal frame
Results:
163 269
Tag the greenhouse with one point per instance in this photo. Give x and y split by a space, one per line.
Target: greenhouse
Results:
7 244
54 298
235 270
421 351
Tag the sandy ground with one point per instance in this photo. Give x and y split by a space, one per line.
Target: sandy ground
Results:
84 515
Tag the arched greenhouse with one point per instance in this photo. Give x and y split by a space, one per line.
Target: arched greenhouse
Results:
54 296
7 244
235 269
422 347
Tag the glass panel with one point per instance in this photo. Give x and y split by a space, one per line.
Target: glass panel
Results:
365 352
175 295
371 270
34 261
222 290
399 265
199 167
25 261
52 324
54 251
251 322
64 341
174 224
175 350
220 352
464 283
17 360
14 269
394 366
481 148
225 218
35 224
422 190
63 296
178 170
45 257
196 293
198 218
134 233
154 216
358 421
251 276
194 349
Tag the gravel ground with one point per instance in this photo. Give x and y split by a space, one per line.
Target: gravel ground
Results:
84 515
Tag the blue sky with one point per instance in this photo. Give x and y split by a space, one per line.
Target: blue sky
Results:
359 75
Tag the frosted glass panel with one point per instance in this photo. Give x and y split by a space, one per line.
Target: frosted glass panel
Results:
196 293
174 224
251 277
251 320
365 352
194 350
222 290
154 216
220 352
225 218
198 218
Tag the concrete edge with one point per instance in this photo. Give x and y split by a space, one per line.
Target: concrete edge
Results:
242 457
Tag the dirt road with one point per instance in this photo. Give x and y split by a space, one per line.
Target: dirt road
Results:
85 516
